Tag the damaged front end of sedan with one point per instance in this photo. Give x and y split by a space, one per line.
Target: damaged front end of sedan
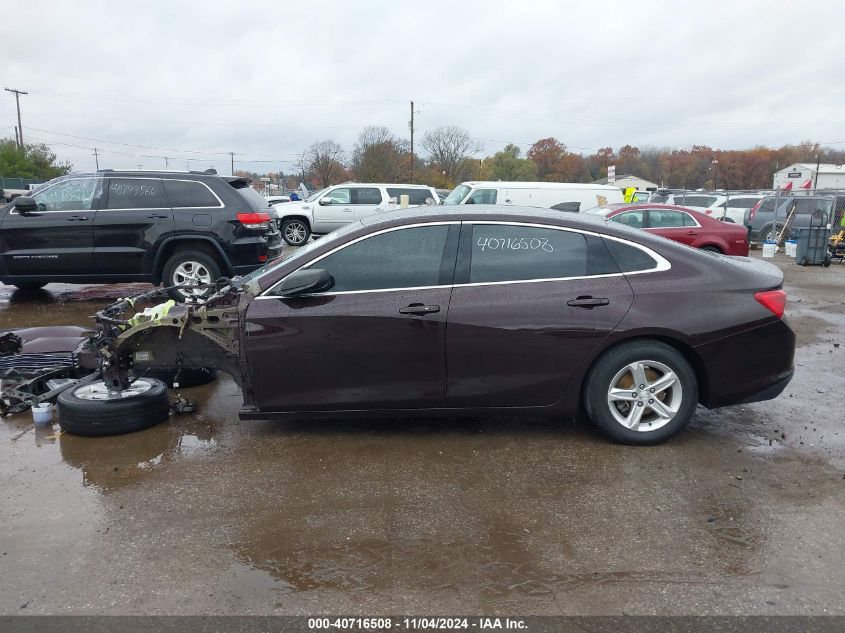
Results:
131 339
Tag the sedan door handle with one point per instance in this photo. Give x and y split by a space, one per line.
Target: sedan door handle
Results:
588 302
419 308
156 216
77 218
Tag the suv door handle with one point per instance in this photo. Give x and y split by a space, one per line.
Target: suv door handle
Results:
77 218
588 302
347 210
419 308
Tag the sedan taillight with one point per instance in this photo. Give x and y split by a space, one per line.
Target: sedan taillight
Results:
772 300
254 220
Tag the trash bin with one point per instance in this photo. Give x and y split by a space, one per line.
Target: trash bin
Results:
812 247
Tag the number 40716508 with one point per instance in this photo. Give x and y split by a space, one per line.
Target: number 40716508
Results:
515 244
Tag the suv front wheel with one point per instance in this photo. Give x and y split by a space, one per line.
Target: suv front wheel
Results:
295 231
189 268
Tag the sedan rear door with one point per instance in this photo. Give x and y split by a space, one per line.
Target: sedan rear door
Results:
375 340
529 305
673 224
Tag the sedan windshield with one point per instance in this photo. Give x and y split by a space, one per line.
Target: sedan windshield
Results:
458 194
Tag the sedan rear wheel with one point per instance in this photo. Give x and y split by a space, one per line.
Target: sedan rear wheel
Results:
712 249
641 392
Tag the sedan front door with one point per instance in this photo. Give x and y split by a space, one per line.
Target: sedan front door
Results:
375 340
529 305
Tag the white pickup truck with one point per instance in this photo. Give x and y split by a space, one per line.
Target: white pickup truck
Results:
333 207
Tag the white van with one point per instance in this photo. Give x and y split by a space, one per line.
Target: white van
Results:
563 196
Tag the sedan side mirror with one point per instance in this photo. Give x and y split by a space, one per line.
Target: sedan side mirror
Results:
305 281
25 204
325 202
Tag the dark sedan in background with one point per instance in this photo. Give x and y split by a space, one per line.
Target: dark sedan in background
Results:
680 225
491 310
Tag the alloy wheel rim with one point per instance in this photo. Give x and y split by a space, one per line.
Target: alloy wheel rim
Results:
191 273
295 232
644 396
99 391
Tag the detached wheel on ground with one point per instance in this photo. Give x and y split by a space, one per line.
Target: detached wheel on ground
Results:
91 410
190 268
642 392
295 231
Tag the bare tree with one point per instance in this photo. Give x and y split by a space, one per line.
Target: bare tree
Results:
378 156
451 148
325 160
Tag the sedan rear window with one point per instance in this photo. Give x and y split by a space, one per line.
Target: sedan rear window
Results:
629 258
517 253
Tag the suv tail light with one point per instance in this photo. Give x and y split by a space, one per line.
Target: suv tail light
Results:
772 300
754 210
255 221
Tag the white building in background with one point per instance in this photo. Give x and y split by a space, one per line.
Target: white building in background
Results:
629 180
803 176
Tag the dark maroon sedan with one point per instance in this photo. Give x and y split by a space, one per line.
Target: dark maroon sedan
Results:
681 225
485 311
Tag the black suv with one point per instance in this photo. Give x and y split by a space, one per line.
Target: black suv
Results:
118 226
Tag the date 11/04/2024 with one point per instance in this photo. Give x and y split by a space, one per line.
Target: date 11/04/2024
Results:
515 244
417 623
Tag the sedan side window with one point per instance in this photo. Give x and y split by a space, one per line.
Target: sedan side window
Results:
689 220
406 258
633 219
663 219
76 194
515 253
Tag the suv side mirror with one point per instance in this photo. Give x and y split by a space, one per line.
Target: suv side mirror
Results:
430 201
325 202
304 281
25 204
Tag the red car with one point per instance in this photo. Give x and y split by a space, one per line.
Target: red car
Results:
681 225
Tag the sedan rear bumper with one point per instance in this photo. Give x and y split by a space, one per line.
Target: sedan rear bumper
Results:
748 366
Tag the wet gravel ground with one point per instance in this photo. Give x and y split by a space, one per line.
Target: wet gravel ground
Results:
743 513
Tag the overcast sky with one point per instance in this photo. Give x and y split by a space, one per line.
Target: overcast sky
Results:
266 79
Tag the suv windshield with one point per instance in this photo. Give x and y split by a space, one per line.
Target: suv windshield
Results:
458 194
314 195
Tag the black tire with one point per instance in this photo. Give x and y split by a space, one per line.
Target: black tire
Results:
712 249
184 258
92 418
606 368
30 285
187 377
295 231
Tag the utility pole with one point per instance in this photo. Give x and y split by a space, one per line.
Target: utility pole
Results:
412 142
818 165
166 163
17 142
232 156
96 159
18 94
